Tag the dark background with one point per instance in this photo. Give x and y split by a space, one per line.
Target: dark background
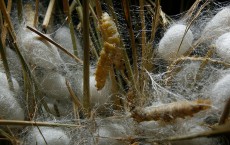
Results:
173 7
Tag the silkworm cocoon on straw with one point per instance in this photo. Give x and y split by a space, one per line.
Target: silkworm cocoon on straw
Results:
63 107
9 106
40 52
53 85
99 98
14 64
218 25
170 43
109 51
223 47
4 82
107 134
220 92
191 128
50 136
171 111
63 37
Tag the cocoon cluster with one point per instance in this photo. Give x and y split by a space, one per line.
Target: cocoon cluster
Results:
63 37
170 43
223 47
9 106
192 128
218 25
40 52
53 85
50 136
99 98
4 82
107 134
221 92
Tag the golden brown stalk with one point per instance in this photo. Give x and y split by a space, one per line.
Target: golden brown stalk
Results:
36 13
48 14
171 111
86 45
111 53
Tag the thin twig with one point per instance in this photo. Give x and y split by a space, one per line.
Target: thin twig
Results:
19 8
54 43
67 11
128 19
48 14
86 44
35 123
36 13
225 113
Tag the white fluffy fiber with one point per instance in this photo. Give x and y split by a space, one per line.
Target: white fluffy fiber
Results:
9 106
51 135
54 86
99 98
107 134
218 25
221 92
40 52
4 82
223 47
169 44
63 37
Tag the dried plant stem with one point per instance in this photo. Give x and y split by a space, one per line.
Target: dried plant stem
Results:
130 79
143 33
86 85
155 21
191 22
203 64
218 130
26 72
19 7
94 41
48 14
74 98
7 136
225 113
80 14
171 71
4 29
35 123
114 89
95 38
6 67
98 9
128 19
54 43
36 13
144 58
71 27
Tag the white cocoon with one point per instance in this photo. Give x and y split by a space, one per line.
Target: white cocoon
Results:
190 128
223 47
9 106
52 136
99 98
64 107
169 44
40 52
221 92
4 82
63 37
218 25
108 133
54 85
